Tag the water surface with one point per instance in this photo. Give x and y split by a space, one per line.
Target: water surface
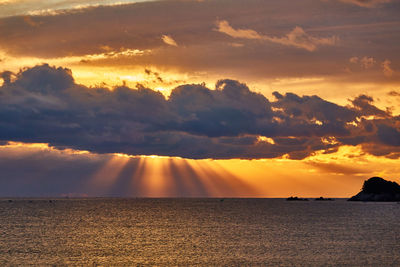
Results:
203 232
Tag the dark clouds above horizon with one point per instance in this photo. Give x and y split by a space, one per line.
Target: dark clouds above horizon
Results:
44 104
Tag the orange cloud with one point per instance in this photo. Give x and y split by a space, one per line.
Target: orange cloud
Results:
366 3
365 62
387 70
169 40
29 20
296 38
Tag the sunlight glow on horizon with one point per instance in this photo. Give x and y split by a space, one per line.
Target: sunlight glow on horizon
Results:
338 174
222 83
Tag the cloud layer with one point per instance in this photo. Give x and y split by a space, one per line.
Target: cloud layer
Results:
366 3
44 104
252 41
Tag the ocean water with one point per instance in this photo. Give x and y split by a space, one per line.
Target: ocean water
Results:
198 232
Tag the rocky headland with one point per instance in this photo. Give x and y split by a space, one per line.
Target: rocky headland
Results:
378 189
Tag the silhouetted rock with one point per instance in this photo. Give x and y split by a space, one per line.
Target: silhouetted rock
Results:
378 189
296 199
323 199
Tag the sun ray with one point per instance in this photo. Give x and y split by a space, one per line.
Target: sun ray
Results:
107 175
154 183
188 178
209 178
239 186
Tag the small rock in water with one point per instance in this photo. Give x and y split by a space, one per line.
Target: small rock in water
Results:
296 199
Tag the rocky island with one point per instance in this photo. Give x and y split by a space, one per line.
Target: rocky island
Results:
378 189
296 199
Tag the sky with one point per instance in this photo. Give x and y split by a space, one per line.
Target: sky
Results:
227 98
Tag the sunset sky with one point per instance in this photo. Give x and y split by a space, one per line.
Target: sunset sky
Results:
192 98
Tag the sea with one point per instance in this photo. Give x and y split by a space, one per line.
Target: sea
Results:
198 232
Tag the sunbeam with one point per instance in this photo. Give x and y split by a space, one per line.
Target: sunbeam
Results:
108 174
167 177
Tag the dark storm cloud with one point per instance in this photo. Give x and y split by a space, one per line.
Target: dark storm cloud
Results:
6 76
388 135
44 104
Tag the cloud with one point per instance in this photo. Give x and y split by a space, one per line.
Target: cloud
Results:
296 38
364 105
44 104
139 27
169 40
338 168
31 22
6 76
394 93
365 62
387 70
353 60
224 27
389 135
20 7
366 3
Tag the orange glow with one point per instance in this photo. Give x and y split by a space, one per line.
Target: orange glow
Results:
20 146
156 181
108 174
338 174
90 70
